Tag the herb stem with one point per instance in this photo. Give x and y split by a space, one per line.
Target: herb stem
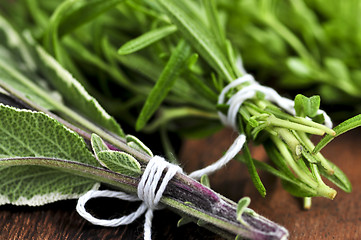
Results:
183 195
309 145
295 126
289 159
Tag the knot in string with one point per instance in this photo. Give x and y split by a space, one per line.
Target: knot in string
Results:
148 191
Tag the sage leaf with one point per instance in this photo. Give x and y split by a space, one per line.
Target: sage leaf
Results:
343 127
243 203
135 143
120 162
146 39
25 133
184 221
205 180
164 84
98 145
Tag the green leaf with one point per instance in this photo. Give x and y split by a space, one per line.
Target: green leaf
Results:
200 87
248 160
82 12
9 76
13 42
36 81
286 177
253 172
164 84
69 16
298 66
98 145
198 36
74 92
343 127
305 106
205 180
214 22
120 162
183 221
339 178
17 67
297 190
24 133
135 143
338 70
146 39
243 203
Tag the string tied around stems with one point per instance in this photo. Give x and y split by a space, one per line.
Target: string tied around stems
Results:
235 102
147 190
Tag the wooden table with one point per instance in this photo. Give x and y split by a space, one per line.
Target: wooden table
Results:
337 219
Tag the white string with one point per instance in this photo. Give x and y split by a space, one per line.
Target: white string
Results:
147 192
231 152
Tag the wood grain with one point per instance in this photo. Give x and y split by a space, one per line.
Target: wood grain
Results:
337 219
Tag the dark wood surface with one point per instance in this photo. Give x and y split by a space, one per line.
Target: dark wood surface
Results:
328 219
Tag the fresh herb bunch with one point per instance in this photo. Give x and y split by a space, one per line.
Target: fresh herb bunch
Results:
58 143
302 44
177 53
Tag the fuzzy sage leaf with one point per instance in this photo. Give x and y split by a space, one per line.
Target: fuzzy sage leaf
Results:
120 162
135 143
205 180
243 203
25 133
